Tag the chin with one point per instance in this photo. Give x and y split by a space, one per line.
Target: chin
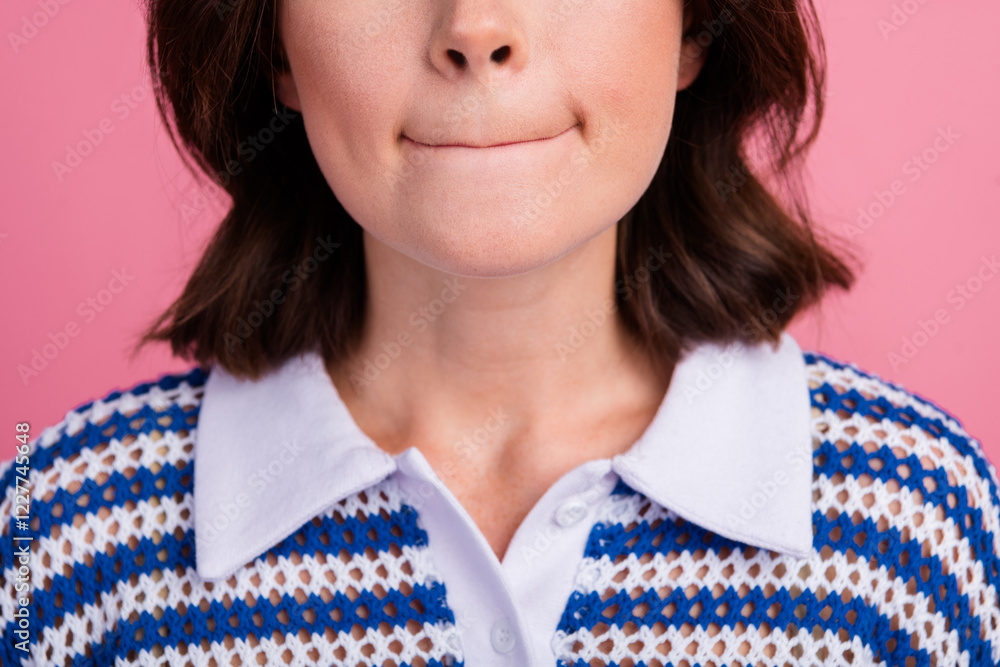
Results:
489 248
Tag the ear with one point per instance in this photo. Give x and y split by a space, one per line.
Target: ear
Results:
692 56
286 90
284 83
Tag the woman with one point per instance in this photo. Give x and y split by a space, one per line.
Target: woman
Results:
493 369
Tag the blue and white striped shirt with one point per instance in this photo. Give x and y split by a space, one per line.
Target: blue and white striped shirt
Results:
781 509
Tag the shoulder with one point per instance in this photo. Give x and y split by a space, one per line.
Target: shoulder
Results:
906 507
162 409
96 499
915 439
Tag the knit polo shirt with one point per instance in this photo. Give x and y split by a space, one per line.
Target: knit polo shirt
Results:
782 508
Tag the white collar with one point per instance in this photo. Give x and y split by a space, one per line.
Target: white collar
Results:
729 449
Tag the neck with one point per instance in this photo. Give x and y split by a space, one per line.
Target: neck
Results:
540 357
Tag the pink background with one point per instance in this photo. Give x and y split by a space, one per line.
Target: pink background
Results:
130 207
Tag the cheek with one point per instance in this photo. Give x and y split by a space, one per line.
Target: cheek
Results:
350 97
621 63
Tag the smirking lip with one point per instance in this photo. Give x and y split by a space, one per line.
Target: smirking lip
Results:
458 162
497 145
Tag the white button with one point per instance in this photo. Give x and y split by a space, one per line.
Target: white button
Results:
503 636
571 512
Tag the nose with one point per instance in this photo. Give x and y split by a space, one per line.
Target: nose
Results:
478 38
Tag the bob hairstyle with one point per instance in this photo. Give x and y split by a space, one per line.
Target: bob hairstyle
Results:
743 262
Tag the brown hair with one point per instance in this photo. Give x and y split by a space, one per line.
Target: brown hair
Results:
737 250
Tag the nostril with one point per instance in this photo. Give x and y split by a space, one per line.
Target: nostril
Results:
500 54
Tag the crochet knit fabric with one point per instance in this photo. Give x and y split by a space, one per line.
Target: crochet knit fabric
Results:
904 569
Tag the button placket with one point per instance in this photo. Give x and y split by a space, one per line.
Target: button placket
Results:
456 550
542 558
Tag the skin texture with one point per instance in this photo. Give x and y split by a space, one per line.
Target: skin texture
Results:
400 102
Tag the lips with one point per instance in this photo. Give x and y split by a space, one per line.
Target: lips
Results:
487 144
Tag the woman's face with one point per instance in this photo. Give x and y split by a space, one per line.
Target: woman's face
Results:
405 102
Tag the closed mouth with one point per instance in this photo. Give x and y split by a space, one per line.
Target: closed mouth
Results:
509 143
